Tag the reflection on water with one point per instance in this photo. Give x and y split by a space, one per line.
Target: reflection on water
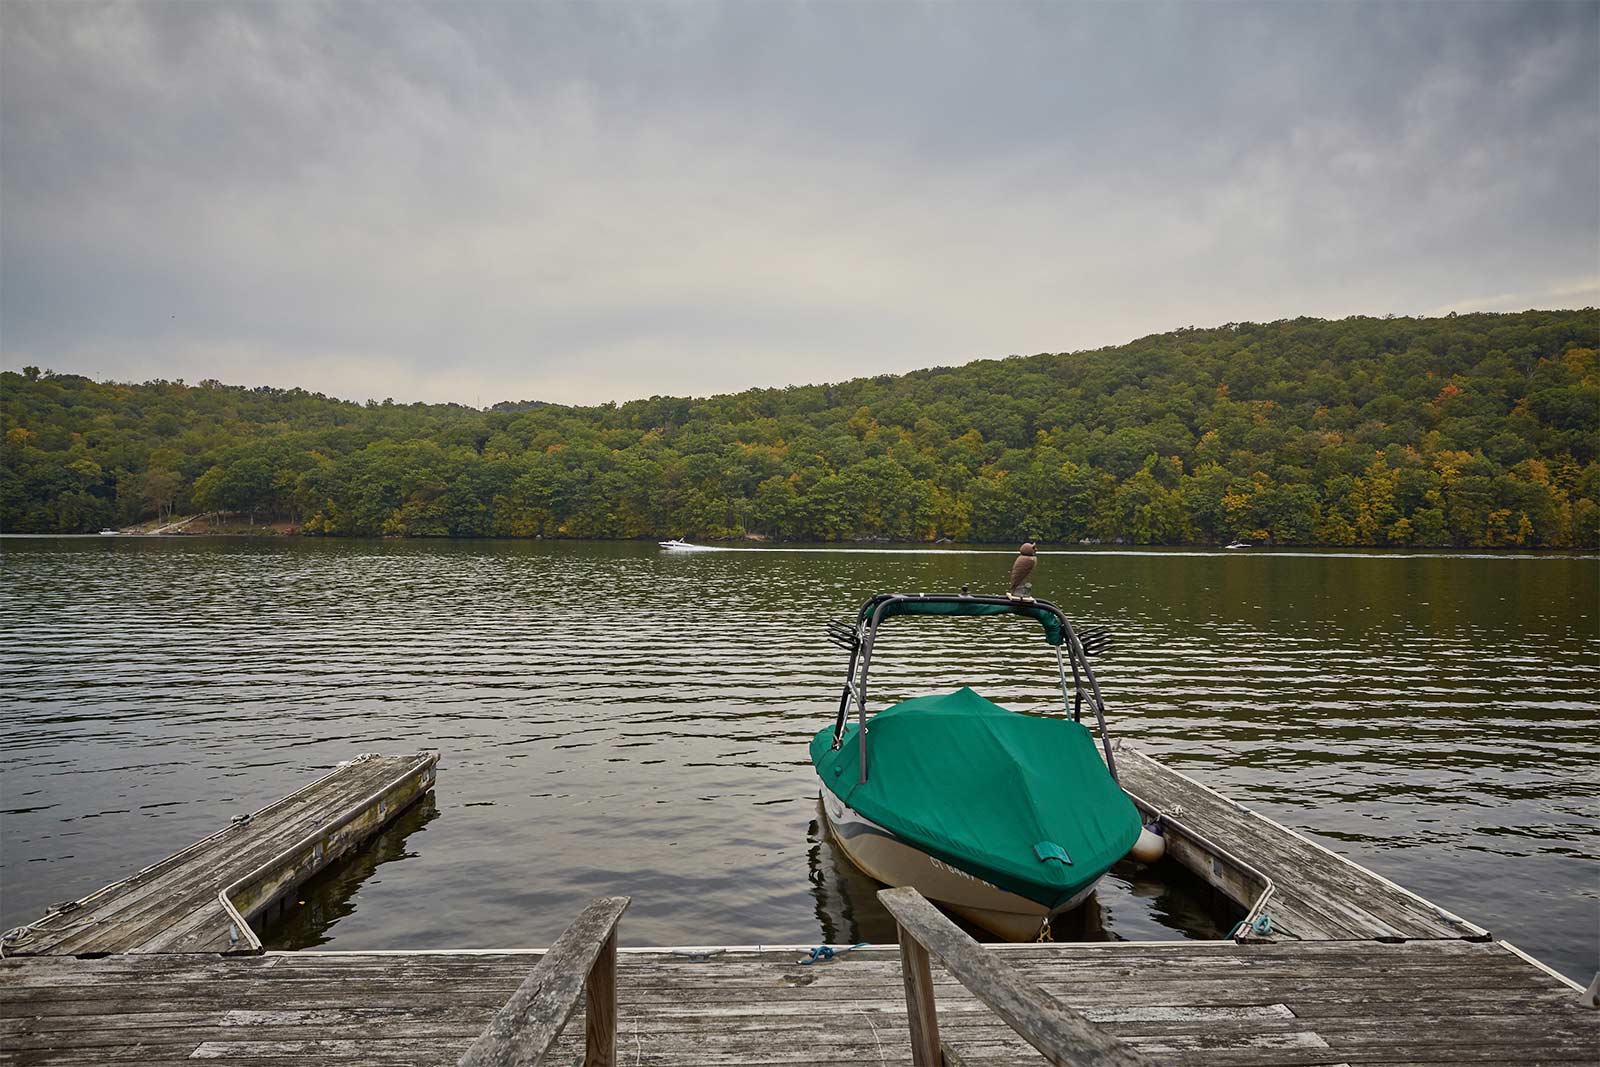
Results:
303 919
615 719
847 909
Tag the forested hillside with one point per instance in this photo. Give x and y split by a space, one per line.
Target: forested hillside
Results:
1478 430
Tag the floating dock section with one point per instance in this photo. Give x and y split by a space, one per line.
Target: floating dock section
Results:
203 898
1333 966
1291 887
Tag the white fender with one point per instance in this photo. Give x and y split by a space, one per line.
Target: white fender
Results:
1151 846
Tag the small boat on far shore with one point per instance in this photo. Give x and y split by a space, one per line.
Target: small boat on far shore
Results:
109 533
1239 544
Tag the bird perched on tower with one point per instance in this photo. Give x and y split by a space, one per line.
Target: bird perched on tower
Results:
1021 588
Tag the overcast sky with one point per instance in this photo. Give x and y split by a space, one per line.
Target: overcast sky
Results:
482 202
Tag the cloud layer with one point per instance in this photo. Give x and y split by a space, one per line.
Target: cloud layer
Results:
478 202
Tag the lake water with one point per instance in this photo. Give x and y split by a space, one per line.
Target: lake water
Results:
615 719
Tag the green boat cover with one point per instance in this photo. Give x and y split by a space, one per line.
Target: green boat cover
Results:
911 606
1022 802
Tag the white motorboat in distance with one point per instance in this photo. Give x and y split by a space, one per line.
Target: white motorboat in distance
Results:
1239 544
676 545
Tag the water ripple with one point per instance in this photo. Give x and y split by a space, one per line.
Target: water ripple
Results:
615 719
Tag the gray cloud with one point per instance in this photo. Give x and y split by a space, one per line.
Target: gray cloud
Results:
477 202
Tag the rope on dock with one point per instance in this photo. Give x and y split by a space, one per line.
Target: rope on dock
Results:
1260 926
823 953
18 936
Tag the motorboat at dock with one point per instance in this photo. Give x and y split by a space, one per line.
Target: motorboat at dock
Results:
1006 819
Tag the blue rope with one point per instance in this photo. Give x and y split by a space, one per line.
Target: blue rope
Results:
822 953
1261 926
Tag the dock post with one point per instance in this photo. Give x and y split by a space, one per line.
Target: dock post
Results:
922 1014
600 1007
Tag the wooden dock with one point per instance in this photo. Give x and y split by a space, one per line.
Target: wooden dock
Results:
1334 965
1305 891
203 898
1192 1003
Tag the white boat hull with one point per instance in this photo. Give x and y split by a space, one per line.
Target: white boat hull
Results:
894 862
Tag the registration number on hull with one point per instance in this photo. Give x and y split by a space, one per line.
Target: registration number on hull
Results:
957 871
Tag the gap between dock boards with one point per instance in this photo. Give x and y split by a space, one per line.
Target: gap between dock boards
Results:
203 898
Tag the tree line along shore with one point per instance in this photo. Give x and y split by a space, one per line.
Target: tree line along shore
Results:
1475 431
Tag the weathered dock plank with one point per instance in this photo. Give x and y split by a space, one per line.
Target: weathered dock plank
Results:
202 898
1193 1004
1309 892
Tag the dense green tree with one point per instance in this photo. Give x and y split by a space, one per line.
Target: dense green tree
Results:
1472 430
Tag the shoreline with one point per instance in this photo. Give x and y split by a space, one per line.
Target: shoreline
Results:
888 547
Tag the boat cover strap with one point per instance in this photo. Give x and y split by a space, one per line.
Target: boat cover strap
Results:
1049 850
